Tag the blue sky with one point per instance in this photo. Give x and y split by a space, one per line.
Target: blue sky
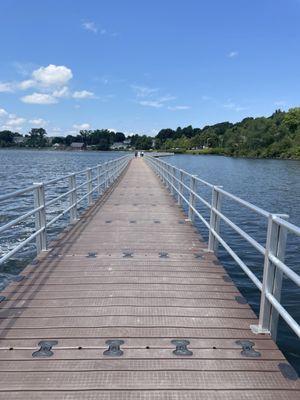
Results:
139 66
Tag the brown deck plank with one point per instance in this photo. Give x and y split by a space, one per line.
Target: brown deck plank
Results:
145 300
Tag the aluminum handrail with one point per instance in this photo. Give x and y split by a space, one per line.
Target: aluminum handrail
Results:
273 251
16 193
98 179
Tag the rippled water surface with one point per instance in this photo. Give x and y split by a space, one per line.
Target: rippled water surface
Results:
271 184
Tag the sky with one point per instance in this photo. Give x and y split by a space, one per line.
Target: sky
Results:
139 66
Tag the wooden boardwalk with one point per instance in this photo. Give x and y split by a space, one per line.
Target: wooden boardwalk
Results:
133 269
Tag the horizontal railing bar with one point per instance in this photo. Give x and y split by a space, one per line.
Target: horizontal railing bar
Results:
288 225
188 188
285 269
233 254
284 314
55 180
188 174
59 215
81 185
187 201
245 203
20 246
17 193
241 232
20 219
49 203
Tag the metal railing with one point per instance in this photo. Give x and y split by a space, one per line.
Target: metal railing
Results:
95 181
185 187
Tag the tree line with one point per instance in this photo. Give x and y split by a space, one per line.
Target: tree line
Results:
277 136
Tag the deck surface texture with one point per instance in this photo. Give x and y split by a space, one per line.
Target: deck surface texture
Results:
147 300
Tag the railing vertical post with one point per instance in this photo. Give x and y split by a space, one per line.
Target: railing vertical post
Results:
163 173
106 175
214 223
171 179
89 185
162 176
112 171
99 179
192 198
40 217
180 187
73 198
272 277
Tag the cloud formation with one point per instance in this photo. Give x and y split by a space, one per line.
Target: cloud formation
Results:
39 98
6 87
38 122
233 54
83 94
83 126
50 84
3 112
90 26
52 75
178 108
143 91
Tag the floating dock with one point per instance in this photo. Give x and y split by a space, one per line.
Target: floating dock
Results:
129 305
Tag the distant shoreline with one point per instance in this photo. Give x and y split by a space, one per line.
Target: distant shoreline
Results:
201 152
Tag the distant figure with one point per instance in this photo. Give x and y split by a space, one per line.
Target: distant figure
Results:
135 154
142 154
139 154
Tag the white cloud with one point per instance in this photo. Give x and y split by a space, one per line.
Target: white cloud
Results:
52 75
38 121
157 103
9 128
63 92
151 103
83 94
6 87
3 113
175 108
39 98
81 126
26 84
90 26
15 121
144 91
166 98
233 54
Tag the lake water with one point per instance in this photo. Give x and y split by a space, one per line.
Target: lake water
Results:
271 184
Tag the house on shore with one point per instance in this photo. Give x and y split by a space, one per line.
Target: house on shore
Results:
121 145
77 146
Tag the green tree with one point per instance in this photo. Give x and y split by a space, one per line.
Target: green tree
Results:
37 137
292 119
